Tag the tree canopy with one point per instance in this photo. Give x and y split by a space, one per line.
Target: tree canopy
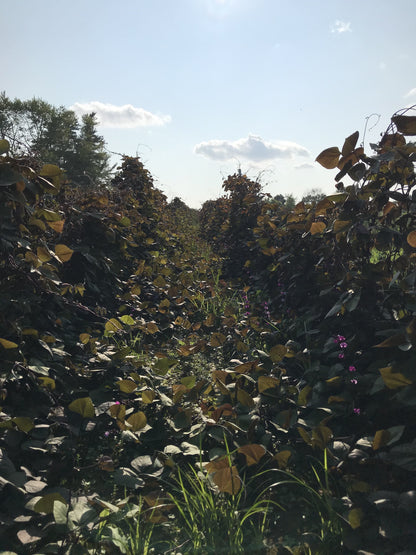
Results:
45 133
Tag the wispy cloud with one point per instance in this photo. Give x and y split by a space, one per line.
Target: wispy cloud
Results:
252 148
305 167
411 93
110 115
341 27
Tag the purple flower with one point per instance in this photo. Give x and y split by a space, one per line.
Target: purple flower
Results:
352 369
354 382
106 434
117 402
343 345
341 355
339 338
357 411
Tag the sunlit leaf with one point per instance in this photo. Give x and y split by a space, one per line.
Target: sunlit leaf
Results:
83 406
49 383
252 452
245 398
304 395
354 518
57 226
282 458
329 158
63 252
148 396
6 344
126 386
350 143
277 353
24 423
317 227
50 170
45 503
393 380
113 325
137 421
267 382
84 338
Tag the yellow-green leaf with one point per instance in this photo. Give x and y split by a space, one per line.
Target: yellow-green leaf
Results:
49 383
321 435
83 406
393 380
24 423
267 382
137 421
245 398
381 438
329 158
57 226
277 353
63 252
4 146
303 395
45 503
217 339
148 396
6 344
354 518
113 325
84 338
350 144
127 386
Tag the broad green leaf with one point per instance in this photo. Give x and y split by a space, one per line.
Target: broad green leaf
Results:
84 338
126 386
321 435
45 503
148 396
393 380
60 511
354 518
118 411
49 383
113 325
6 344
278 353
303 395
137 421
126 319
163 365
189 381
24 423
83 406
63 252
4 146
245 398
267 382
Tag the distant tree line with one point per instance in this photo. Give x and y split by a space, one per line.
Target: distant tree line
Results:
45 133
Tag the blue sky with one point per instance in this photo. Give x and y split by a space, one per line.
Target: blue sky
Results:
198 88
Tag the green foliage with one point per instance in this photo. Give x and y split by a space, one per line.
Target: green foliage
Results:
128 354
46 134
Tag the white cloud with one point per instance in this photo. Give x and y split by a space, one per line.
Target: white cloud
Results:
127 115
252 148
341 27
305 167
411 93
